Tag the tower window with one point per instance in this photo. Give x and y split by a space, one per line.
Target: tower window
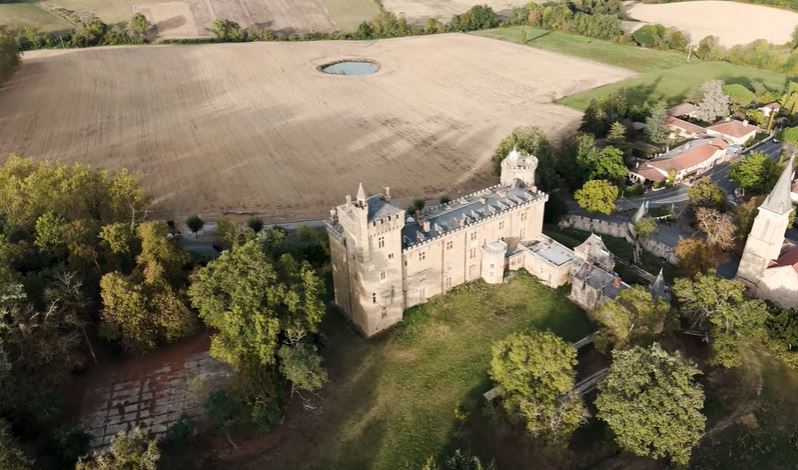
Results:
381 242
501 225
473 236
374 297
390 255
472 253
449 245
383 275
422 255
523 216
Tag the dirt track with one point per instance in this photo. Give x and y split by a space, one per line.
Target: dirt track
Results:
255 127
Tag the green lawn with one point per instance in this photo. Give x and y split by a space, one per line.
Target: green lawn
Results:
391 400
348 14
662 74
29 13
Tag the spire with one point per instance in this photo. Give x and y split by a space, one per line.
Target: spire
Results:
641 211
778 200
658 287
361 194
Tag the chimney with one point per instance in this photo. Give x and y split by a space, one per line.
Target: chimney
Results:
387 193
425 226
745 122
349 199
617 281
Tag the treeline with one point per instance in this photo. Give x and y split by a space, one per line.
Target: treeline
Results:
9 57
82 268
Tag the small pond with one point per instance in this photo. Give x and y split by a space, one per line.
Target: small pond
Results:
350 67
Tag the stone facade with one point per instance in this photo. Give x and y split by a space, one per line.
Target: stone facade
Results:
766 268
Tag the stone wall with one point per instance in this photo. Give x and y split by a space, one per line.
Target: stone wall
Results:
618 227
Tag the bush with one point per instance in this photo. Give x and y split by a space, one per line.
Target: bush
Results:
256 224
195 223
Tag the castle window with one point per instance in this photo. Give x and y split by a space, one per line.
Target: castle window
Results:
422 255
472 253
473 236
374 297
501 225
448 282
383 275
381 242
523 216
390 255
449 245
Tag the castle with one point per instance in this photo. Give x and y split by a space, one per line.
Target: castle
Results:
769 271
385 261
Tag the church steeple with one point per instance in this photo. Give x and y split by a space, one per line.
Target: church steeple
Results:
778 200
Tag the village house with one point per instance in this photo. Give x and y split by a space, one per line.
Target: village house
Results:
686 161
682 110
766 267
679 128
385 261
733 130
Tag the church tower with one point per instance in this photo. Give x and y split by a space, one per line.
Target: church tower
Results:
767 233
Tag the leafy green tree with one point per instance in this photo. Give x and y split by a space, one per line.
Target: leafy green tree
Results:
631 318
228 31
11 456
9 56
756 172
709 48
644 228
650 35
535 373
139 24
705 193
301 365
459 460
617 135
533 141
608 165
250 300
597 196
132 450
656 127
652 403
714 103
789 100
69 444
195 223
718 308
476 18
255 223
223 412
789 137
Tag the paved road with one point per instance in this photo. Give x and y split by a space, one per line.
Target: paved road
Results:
719 175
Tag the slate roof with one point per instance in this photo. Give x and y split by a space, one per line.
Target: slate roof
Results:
465 211
601 280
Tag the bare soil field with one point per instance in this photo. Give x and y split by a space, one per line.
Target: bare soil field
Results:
734 23
419 10
256 128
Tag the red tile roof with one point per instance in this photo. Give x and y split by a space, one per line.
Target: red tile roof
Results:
671 121
733 128
681 158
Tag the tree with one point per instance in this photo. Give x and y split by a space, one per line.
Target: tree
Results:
633 317
223 411
709 48
139 24
535 373
132 450
718 308
789 100
755 172
531 140
705 193
255 223
11 456
652 403
695 256
195 223
643 228
459 460
789 137
597 196
718 227
476 18
714 104
617 134
301 365
228 31
608 165
9 56
656 127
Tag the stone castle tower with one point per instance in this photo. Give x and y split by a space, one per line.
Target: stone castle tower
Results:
518 166
767 233
368 250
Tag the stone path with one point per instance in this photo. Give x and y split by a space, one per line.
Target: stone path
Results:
153 399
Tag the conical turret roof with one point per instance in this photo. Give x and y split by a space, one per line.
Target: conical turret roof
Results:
779 200
361 193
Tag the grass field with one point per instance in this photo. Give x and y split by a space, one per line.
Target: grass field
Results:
29 13
255 127
348 14
662 74
391 400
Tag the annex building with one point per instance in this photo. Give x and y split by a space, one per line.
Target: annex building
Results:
385 260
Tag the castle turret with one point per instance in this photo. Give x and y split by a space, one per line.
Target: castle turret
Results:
493 262
767 233
518 166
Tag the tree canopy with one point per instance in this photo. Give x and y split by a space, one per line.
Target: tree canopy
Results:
597 196
535 372
631 318
714 103
9 56
656 127
718 308
132 450
755 172
705 193
695 255
652 403
531 140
